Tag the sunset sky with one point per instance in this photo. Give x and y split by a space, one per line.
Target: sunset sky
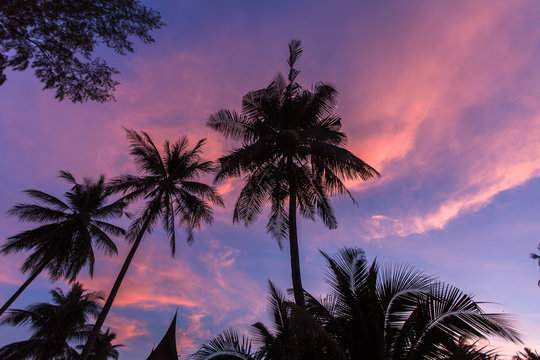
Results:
441 97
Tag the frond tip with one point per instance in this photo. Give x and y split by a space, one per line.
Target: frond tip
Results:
227 345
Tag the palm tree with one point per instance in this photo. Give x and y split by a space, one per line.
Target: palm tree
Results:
397 312
294 333
54 325
70 230
170 188
103 347
292 148
372 312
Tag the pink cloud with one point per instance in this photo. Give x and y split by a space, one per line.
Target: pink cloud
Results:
126 328
202 279
188 338
423 100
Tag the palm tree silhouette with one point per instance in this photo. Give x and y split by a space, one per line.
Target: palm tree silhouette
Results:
54 325
103 347
397 312
294 332
292 148
65 243
393 312
171 191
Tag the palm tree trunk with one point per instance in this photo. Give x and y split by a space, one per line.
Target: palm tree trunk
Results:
23 287
293 240
112 295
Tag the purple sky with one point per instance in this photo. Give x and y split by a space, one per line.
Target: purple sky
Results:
443 98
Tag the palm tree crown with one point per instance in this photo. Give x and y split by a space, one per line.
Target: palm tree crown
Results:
70 230
103 347
396 312
54 325
168 185
292 148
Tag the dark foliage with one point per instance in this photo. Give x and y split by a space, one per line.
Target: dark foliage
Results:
69 230
57 38
527 354
396 312
392 312
103 347
54 326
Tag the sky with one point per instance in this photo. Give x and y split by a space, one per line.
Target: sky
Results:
442 98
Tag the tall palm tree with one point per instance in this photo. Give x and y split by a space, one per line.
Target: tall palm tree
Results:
292 148
397 312
103 347
169 186
70 230
54 325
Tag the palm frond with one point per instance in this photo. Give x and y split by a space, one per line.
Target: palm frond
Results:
295 51
226 346
145 152
21 350
45 198
66 175
450 313
232 125
37 213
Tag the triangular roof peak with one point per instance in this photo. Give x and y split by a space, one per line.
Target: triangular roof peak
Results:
166 349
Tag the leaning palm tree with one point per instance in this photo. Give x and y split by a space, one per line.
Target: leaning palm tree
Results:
64 243
169 186
397 312
54 325
292 151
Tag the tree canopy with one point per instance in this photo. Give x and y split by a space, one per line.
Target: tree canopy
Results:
58 38
54 325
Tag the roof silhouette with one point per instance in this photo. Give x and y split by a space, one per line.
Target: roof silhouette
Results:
166 349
